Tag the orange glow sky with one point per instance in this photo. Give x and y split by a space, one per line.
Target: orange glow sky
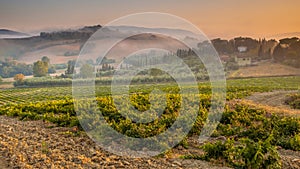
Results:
216 18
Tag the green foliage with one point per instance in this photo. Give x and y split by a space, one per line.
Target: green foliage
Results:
217 150
245 153
258 49
51 69
45 59
295 142
86 71
71 67
257 125
58 112
40 68
288 52
9 68
45 81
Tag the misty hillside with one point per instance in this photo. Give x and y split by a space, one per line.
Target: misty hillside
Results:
65 45
44 44
61 46
7 34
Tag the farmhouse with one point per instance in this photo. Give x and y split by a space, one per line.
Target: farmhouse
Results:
243 60
242 49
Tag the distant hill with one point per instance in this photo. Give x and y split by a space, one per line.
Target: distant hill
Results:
179 32
27 48
5 33
82 33
64 45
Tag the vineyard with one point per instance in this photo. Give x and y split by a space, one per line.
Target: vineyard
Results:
252 135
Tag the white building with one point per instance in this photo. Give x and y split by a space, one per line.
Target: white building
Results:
242 49
242 60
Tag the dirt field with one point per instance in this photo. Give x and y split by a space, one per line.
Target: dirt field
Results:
266 68
37 144
273 102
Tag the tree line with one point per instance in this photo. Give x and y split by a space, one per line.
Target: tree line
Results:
286 51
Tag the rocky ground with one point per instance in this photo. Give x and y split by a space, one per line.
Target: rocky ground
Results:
37 144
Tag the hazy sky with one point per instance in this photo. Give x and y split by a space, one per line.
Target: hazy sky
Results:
224 18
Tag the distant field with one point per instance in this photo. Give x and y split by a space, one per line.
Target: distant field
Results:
55 53
4 85
265 69
235 88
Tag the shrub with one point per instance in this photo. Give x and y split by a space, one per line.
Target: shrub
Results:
244 154
19 79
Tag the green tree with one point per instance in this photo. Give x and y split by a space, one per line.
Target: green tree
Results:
71 67
51 68
288 41
40 69
260 51
6 71
46 59
279 53
86 71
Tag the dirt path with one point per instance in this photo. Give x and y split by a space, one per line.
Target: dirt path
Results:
271 101
35 144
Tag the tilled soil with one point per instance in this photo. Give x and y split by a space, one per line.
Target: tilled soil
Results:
37 144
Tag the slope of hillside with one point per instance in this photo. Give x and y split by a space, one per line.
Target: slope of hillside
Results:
55 53
5 33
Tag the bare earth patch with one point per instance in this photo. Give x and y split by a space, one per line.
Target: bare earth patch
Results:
273 102
35 144
266 68
38 144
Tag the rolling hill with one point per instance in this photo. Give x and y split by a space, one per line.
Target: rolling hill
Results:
9 34
62 46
